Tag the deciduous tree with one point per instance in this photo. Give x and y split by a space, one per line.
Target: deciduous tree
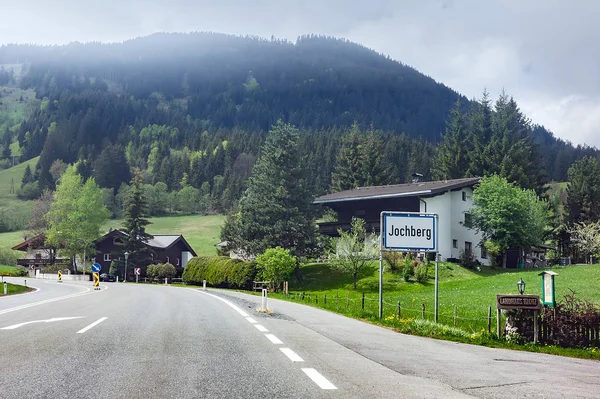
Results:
508 216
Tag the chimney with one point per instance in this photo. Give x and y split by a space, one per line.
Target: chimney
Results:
416 177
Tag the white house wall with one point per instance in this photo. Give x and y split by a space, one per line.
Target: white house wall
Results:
451 210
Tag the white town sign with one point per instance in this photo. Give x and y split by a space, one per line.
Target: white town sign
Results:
409 231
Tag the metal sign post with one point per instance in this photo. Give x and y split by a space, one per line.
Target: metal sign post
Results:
408 231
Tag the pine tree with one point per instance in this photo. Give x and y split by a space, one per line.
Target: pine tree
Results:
348 172
136 214
583 191
480 126
375 170
276 209
27 176
452 157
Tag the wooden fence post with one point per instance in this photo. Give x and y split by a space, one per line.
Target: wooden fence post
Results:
398 309
454 315
423 311
490 319
348 300
324 299
363 301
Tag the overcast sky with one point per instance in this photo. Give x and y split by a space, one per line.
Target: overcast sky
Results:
543 52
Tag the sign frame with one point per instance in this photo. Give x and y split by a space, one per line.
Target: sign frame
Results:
96 267
383 248
409 215
518 298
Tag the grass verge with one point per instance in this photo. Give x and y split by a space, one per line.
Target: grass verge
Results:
468 294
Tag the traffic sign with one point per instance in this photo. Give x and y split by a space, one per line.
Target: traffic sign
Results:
59 276
96 281
96 267
137 271
409 231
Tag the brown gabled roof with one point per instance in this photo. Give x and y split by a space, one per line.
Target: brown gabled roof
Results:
33 240
397 190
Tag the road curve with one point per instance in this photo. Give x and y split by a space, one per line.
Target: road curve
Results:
151 341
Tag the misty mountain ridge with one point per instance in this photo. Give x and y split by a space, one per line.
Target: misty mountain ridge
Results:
203 89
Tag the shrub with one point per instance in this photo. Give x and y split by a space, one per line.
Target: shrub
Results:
161 271
220 271
15 271
422 272
276 265
408 270
467 259
394 260
8 257
569 323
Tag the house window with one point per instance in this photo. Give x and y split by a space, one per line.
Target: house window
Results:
464 196
454 243
468 221
468 247
483 253
107 257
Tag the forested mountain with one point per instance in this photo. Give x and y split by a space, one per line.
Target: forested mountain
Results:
192 110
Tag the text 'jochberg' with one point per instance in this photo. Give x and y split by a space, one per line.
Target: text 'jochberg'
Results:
409 231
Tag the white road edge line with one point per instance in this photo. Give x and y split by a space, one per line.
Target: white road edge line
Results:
273 339
92 325
29 305
261 328
251 320
293 356
231 305
318 379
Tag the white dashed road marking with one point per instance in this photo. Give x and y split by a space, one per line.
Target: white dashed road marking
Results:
321 381
273 339
94 324
293 356
313 374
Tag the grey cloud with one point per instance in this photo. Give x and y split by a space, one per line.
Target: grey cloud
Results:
543 52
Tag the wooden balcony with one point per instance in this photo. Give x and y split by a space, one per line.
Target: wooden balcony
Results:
40 262
331 228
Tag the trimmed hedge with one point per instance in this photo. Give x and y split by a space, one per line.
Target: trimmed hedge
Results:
220 271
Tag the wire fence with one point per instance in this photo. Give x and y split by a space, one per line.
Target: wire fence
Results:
472 319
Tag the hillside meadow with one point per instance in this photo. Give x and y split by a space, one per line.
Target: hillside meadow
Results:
201 232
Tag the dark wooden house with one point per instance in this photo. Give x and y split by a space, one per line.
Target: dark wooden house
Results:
162 248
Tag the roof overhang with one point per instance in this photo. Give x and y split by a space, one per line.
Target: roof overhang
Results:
371 197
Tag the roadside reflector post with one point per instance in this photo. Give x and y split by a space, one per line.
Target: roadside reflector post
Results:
5 288
203 285
263 301
165 281
25 283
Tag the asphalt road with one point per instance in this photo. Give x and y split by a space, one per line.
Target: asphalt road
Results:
143 341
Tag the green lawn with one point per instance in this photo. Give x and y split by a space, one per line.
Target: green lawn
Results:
201 232
11 207
12 270
471 292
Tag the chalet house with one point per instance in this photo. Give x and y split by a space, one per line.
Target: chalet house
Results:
37 255
173 249
450 199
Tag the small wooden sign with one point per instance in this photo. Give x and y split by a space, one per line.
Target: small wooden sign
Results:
518 302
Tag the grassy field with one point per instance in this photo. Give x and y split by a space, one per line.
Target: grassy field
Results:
201 232
12 270
11 207
469 291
